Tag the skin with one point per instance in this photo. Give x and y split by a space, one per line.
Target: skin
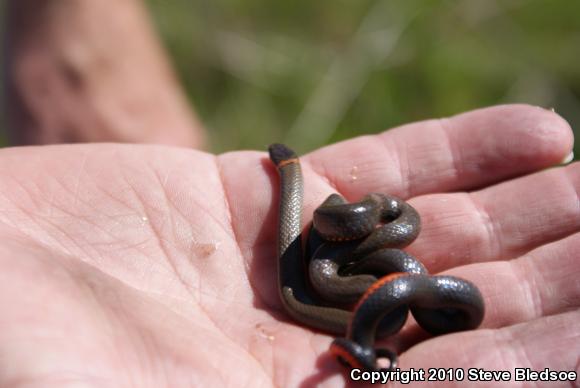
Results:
69 78
150 266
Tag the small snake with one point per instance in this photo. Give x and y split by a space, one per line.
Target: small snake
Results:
294 289
349 247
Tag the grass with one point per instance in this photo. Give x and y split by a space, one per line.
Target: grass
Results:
312 73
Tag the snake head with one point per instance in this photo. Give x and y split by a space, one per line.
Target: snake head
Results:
353 355
280 153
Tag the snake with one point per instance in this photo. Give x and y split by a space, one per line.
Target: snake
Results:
354 257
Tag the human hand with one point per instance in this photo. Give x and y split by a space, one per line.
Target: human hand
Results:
154 266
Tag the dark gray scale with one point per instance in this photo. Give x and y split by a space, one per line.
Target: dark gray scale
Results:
440 305
337 220
351 245
349 248
399 225
340 271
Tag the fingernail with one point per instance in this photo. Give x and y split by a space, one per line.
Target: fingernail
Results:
568 158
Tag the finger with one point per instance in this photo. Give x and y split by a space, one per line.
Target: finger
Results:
461 152
543 282
499 222
550 342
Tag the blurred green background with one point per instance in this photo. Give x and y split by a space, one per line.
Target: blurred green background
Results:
314 72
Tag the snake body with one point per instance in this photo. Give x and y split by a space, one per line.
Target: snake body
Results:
354 255
292 285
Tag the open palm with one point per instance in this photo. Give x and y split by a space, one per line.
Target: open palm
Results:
152 266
